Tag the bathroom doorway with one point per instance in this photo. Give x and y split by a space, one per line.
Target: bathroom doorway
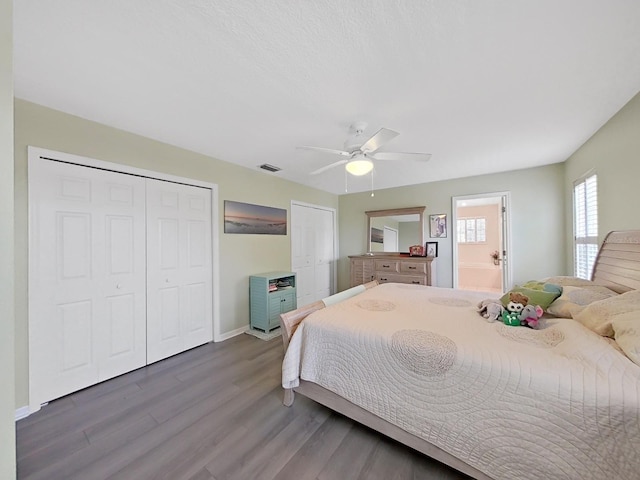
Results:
480 230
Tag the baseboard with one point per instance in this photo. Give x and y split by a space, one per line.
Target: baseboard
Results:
232 333
22 412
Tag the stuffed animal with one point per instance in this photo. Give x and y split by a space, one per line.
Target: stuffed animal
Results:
490 309
511 314
529 316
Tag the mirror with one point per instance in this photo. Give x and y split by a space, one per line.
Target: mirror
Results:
395 230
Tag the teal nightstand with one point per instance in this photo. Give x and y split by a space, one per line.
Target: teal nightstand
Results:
271 294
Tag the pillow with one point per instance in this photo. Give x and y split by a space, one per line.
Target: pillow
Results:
574 298
536 297
599 316
626 329
565 281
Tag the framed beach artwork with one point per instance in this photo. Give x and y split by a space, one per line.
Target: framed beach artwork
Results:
438 225
257 219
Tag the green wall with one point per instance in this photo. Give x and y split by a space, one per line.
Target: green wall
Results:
240 255
7 391
537 222
613 152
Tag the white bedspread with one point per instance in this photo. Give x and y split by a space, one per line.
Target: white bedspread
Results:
515 403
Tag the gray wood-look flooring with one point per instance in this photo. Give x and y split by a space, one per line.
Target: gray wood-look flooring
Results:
212 413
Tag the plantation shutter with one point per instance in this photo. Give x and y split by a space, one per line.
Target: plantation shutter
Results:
585 204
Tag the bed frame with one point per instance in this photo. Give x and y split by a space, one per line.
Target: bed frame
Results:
617 266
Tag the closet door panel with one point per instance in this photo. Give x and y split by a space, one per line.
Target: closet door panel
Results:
122 240
179 276
82 249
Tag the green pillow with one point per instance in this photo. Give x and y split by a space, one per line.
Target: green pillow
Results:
547 287
536 297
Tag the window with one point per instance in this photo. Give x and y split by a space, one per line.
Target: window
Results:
472 230
585 225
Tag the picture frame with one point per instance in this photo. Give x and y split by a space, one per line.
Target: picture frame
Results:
247 218
377 235
438 225
431 249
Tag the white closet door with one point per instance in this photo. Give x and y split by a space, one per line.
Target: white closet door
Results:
302 252
312 252
324 253
179 276
87 277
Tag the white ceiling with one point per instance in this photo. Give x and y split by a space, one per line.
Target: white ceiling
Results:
484 86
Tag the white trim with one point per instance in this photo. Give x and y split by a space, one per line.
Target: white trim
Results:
33 153
336 254
23 412
233 333
507 266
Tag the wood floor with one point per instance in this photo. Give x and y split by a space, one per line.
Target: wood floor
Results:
212 413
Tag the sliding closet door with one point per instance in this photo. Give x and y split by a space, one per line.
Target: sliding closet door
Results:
87 277
179 276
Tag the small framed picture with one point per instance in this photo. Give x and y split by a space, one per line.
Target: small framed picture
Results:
438 225
431 249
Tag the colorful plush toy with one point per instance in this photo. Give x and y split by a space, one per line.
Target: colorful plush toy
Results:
490 309
518 312
511 314
530 315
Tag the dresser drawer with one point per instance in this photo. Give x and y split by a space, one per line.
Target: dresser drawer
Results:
413 267
387 266
396 278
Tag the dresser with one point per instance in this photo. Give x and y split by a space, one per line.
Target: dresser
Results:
396 268
271 294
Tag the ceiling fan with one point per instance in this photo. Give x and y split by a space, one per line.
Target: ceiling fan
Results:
359 153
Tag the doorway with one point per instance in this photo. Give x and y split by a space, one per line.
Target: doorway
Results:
481 242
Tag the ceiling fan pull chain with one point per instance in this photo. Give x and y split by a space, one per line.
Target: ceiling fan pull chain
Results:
372 184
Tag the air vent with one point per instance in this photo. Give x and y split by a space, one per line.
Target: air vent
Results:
269 168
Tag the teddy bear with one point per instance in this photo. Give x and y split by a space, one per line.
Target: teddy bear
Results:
511 314
490 309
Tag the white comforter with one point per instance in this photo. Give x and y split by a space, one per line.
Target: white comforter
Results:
556 403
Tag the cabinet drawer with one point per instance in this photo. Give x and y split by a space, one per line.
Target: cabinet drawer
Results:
386 266
413 267
411 279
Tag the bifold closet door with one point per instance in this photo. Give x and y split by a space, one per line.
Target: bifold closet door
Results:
87 277
179 273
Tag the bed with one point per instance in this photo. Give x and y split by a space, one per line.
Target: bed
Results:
420 365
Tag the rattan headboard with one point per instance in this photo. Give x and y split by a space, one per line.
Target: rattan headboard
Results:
618 262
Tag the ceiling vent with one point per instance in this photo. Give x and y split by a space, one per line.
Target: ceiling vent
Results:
270 168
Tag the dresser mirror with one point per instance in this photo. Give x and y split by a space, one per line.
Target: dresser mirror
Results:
394 230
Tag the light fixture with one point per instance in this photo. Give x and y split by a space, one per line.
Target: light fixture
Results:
359 167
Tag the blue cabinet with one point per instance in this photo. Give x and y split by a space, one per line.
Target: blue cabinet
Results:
271 294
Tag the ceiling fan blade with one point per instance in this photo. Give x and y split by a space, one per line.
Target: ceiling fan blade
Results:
323 169
325 150
381 137
420 157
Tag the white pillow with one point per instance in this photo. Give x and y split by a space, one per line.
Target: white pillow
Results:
573 299
599 316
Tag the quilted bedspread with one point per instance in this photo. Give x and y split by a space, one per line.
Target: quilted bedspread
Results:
515 403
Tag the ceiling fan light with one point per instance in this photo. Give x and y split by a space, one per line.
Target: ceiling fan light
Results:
359 167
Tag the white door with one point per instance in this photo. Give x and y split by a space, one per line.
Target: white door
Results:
312 252
179 275
87 277
390 239
324 253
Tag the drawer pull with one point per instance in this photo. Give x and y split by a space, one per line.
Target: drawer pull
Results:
412 267
383 279
415 282
385 266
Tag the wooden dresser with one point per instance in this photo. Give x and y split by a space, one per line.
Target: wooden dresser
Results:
398 268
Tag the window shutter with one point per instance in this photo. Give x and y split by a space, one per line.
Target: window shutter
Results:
585 203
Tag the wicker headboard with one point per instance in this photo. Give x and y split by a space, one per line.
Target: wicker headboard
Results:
618 262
